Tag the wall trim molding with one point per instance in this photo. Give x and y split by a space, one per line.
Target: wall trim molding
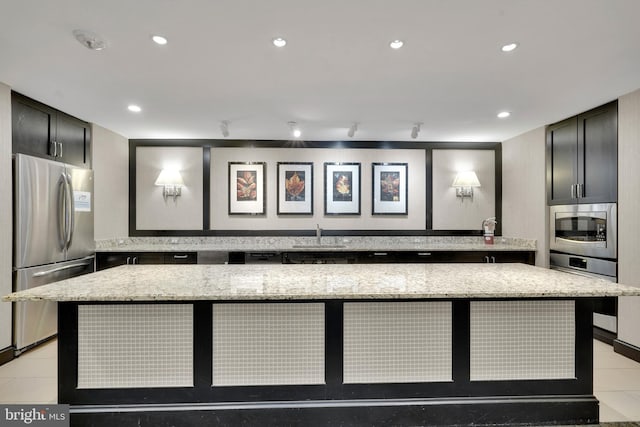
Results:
208 144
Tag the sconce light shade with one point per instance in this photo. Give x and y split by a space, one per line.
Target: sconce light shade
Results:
464 183
172 183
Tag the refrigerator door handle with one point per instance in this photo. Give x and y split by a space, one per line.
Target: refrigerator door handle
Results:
62 212
66 267
72 210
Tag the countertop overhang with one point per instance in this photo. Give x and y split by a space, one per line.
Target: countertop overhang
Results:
322 282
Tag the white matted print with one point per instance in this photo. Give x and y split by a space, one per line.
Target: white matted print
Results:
295 188
247 188
389 189
342 188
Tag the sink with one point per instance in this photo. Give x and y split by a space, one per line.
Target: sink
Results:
318 246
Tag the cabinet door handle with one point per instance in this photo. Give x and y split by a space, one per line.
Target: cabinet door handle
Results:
379 254
180 256
580 190
573 191
135 260
128 260
486 259
54 148
493 259
424 253
60 153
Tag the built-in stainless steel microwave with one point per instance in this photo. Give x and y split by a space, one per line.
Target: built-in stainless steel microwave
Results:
588 230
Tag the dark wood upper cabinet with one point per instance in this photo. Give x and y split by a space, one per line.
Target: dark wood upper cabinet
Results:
42 131
582 158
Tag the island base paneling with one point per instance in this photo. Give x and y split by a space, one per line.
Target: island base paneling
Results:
449 393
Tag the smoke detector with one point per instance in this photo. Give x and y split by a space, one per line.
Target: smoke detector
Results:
90 40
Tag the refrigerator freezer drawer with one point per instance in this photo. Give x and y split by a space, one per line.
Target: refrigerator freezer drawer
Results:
35 321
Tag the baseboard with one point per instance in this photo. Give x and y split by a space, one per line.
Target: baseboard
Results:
626 349
604 336
538 410
6 355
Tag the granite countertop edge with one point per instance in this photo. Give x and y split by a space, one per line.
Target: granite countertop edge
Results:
305 244
140 283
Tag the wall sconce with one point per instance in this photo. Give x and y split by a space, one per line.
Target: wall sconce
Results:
464 183
171 182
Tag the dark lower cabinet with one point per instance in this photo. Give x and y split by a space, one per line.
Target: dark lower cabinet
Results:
106 260
43 131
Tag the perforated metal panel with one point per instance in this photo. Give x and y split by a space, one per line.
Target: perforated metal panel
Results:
387 342
268 344
131 346
522 340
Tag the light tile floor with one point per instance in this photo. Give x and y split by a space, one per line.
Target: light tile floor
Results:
32 378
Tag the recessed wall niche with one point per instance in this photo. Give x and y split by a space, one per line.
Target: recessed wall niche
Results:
155 212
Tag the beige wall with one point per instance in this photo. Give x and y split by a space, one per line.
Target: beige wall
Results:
451 212
220 219
628 217
111 181
5 214
153 212
524 212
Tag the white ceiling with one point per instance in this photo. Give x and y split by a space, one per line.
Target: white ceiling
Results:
337 68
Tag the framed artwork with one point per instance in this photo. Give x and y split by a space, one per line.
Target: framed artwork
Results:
247 188
389 189
295 188
342 188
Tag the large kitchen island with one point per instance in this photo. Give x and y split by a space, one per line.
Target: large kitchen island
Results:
326 345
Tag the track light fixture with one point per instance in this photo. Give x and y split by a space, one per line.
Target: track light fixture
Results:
352 129
415 130
224 128
294 129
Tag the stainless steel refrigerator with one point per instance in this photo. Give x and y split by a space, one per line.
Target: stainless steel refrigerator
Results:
53 238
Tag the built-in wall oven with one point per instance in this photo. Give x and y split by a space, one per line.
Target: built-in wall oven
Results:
588 230
583 240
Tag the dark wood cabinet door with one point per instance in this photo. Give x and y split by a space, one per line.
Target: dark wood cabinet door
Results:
32 127
562 168
72 136
598 155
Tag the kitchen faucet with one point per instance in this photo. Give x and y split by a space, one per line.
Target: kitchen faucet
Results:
318 234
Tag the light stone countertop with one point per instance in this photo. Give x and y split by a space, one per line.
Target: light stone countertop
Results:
322 281
310 244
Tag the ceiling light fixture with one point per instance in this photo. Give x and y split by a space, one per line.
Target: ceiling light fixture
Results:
294 129
352 130
279 42
159 40
509 47
224 128
134 108
89 40
396 44
415 130
503 114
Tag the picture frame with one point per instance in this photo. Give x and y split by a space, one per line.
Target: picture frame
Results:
390 189
342 188
295 188
247 184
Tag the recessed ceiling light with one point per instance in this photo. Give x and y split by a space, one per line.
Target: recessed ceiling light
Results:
396 44
509 47
159 40
134 108
279 42
503 114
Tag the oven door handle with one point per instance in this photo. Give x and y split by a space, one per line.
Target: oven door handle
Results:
582 273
